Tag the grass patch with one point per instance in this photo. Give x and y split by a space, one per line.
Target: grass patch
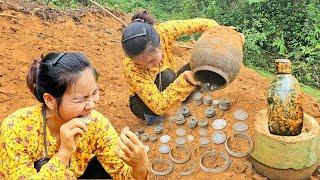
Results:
62 4
311 91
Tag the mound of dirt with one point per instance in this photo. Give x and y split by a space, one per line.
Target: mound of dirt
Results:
28 30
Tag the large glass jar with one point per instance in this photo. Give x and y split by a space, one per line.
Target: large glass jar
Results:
285 102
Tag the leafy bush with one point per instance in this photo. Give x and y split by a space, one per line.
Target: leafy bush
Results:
273 29
278 29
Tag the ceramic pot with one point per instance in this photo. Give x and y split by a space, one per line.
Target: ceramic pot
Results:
217 56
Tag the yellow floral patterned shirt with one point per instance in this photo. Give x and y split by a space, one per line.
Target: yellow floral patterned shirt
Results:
141 81
21 142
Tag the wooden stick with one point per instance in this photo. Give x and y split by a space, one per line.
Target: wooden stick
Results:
110 13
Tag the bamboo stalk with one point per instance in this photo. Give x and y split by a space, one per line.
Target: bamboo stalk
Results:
110 13
107 11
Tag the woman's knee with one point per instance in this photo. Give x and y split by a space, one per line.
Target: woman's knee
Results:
95 170
138 107
167 77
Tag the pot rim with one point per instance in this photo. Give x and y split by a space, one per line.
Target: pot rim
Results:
215 70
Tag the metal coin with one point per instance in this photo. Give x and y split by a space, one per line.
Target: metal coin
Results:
181 141
180 122
203 123
192 122
225 101
190 138
207 100
165 139
205 87
197 96
144 137
240 115
224 104
224 107
204 141
185 111
164 148
219 124
215 103
219 137
153 138
213 87
158 129
210 112
179 117
203 132
181 132
240 127
197 103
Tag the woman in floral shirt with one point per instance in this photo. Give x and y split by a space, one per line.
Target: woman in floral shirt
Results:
149 52
57 138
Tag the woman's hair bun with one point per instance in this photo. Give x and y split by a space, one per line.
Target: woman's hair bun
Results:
143 16
33 75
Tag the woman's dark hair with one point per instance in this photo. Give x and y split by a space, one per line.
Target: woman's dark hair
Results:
139 35
55 72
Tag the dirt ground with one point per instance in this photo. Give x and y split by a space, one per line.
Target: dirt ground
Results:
28 30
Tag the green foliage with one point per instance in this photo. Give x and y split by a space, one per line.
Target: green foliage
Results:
273 28
305 88
277 29
63 3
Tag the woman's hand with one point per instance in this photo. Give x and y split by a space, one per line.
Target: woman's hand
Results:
132 152
188 75
70 134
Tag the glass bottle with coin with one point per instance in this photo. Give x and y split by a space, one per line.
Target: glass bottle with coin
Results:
285 102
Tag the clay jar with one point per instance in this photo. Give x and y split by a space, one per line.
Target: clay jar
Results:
285 115
217 56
